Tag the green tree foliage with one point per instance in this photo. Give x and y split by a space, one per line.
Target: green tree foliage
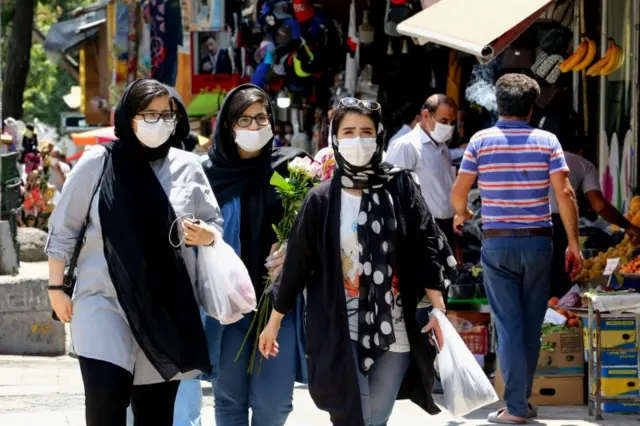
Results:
47 82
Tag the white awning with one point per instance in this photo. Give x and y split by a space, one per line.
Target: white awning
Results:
483 28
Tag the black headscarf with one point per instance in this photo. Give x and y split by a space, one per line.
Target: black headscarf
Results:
248 179
229 175
377 226
148 273
377 231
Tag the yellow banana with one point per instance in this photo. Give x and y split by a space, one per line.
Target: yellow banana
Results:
588 57
608 69
577 56
604 61
620 60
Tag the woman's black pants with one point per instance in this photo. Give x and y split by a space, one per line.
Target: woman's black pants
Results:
108 389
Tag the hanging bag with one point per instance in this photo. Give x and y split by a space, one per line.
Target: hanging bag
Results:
465 386
224 287
555 36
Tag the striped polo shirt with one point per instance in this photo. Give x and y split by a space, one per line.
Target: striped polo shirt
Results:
513 162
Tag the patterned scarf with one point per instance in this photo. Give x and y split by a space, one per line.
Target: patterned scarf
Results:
377 230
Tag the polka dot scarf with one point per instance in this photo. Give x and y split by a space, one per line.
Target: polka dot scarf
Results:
377 226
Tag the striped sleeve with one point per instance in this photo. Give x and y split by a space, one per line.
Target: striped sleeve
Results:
557 162
469 163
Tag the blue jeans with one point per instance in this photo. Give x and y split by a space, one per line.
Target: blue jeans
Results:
379 389
268 393
517 280
188 406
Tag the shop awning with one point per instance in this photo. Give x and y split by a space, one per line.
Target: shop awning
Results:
66 35
481 28
92 137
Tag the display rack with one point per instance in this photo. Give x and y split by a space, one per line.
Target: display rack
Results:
596 399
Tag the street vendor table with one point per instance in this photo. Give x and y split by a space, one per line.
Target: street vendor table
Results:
602 307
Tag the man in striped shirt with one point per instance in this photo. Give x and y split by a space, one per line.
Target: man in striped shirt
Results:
515 165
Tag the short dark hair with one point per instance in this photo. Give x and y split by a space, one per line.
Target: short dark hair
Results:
408 112
516 94
142 93
340 113
434 102
242 100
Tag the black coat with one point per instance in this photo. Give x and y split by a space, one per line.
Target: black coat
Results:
313 260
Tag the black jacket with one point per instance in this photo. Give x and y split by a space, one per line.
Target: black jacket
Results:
313 260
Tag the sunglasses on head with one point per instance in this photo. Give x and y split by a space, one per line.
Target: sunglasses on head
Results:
355 102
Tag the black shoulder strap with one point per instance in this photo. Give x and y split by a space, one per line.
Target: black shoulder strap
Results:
69 278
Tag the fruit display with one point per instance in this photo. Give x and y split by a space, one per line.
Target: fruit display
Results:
610 62
594 266
582 59
632 267
572 319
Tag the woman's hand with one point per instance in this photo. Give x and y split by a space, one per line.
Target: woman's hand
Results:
276 260
62 305
197 233
434 325
268 345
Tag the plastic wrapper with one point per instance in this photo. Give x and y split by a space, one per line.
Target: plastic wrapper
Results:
224 287
465 386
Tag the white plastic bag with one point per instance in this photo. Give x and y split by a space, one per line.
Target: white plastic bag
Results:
224 288
465 386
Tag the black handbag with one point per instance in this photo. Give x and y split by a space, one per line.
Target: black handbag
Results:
554 37
71 271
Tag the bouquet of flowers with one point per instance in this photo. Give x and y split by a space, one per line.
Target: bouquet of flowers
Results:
304 173
326 158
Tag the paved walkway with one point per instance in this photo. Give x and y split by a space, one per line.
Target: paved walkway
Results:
36 391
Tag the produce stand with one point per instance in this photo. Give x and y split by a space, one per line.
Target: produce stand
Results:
601 307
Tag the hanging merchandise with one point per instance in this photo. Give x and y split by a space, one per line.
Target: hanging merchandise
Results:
207 15
366 31
454 77
397 11
303 10
144 44
554 36
166 36
351 67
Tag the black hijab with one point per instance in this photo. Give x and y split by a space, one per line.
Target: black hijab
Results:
229 175
148 273
248 179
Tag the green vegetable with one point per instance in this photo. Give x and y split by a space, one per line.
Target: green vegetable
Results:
548 329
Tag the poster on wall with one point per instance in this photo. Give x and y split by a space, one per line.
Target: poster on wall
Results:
207 15
212 62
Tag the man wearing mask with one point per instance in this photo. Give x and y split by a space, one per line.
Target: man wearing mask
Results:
424 150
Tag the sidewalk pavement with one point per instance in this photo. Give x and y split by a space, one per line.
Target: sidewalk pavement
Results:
38 391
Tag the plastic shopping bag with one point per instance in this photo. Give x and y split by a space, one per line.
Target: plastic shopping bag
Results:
465 386
224 289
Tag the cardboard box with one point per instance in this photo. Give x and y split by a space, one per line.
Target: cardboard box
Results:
621 407
617 333
551 390
619 380
618 358
561 354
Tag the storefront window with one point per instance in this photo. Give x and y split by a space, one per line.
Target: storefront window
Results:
617 160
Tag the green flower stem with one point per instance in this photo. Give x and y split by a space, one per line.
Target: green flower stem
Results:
292 191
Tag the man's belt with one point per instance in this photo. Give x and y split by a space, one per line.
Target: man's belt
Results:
518 233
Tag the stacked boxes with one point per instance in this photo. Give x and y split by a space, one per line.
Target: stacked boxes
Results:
619 373
560 373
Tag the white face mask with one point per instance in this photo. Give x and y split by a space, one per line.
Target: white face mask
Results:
153 135
253 140
357 151
442 133
54 161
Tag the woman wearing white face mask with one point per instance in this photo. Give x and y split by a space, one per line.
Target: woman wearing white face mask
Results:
135 322
241 163
366 248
